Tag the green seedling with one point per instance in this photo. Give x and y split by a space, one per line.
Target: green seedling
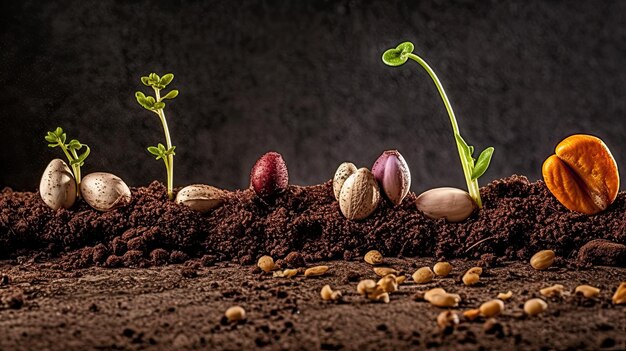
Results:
156 104
57 138
472 168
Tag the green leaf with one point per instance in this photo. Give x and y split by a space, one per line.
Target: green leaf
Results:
53 145
399 55
471 150
159 105
145 82
51 138
170 151
153 150
172 94
62 138
74 144
84 155
58 131
161 147
166 79
482 163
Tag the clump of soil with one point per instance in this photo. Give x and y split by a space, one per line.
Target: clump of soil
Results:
518 219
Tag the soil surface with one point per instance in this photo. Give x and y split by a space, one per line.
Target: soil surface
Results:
182 307
519 218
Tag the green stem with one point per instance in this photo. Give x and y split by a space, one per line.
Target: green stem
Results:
75 167
472 185
169 166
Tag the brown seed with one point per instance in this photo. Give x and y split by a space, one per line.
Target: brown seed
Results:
373 257
475 270
491 308
552 291
470 279
587 291
266 263
366 287
383 271
442 269
542 260
315 271
400 279
388 283
423 275
504 297
447 319
620 294
535 306
471 314
443 300
428 294
235 313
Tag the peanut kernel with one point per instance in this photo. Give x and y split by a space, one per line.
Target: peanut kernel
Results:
428 294
443 300
235 313
542 260
373 257
491 308
535 306
471 314
315 271
587 291
552 291
266 263
475 270
328 294
442 269
504 297
288 273
470 279
366 287
447 319
423 275
383 271
620 294
388 283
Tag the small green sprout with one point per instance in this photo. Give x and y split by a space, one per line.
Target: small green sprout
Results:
57 138
156 104
472 168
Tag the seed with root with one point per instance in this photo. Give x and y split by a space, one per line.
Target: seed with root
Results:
373 257
315 271
475 270
505 296
328 294
266 263
442 269
491 308
366 287
552 291
620 294
388 283
383 271
235 313
423 275
447 319
535 306
470 279
443 300
587 291
542 260
471 314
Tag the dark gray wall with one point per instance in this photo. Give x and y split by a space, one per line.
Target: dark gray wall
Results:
305 78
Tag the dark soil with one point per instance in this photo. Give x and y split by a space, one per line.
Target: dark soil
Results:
518 219
167 308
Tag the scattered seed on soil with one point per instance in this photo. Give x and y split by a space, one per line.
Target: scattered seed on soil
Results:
491 308
383 271
423 275
266 263
471 314
442 269
552 291
587 291
475 270
316 271
373 257
542 260
443 300
235 313
505 296
447 319
620 294
470 279
535 306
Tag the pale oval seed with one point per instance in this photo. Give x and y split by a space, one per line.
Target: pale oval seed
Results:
428 294
475 270
552 291
288 273
535 306
235 313
620 294
388 283
505 296
542 259
587 291
423 275
491 308
470 279
471 314
266 263
443 300
373 257
365 286
442 269
326 293
315 271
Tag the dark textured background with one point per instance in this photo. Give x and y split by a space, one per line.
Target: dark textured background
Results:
305 78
